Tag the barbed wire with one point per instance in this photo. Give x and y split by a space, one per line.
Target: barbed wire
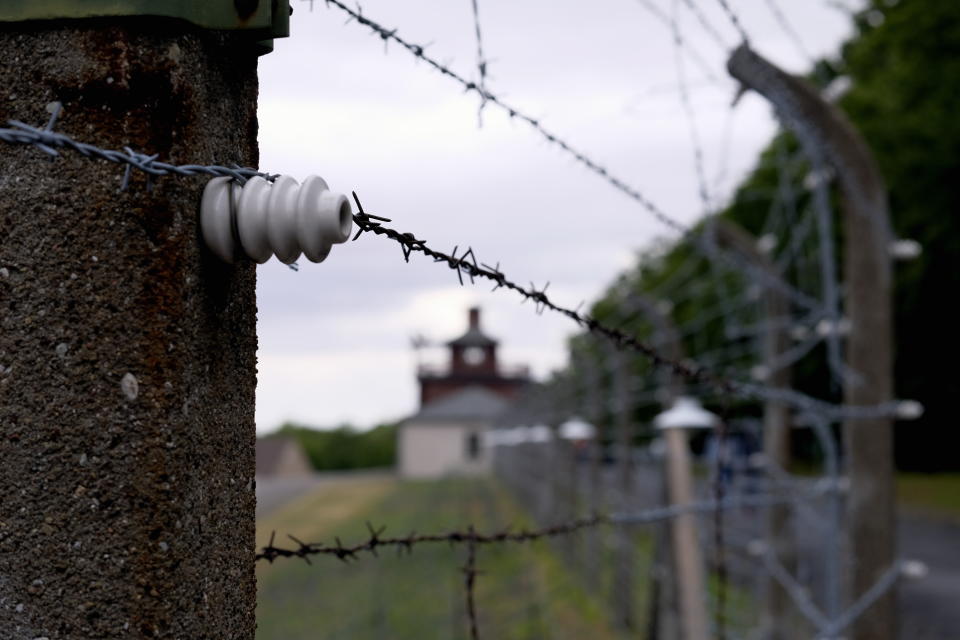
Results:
826 627
687 106
719 534
469 537
405 544
390 35
468 263
708 26
789 31
701 62
418 51
49 141
735 21
881 586
827 623
470 574
481 61
722 169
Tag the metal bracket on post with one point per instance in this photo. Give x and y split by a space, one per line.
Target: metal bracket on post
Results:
262 20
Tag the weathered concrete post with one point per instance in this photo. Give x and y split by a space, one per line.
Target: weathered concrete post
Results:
828 136
688 567
127 351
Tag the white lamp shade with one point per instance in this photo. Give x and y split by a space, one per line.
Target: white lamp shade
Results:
577 429
686 413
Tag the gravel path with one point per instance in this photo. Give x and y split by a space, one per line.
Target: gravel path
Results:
273 493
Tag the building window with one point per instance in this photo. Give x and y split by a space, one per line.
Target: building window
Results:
474 356
473 446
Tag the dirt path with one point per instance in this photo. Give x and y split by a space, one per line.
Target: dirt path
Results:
273 493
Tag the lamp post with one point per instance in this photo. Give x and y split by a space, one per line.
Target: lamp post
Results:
686 413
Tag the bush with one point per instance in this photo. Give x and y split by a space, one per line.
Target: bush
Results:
346 447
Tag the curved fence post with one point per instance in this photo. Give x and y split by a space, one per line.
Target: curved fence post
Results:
828 136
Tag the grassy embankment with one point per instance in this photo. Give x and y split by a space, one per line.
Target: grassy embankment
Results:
926 494
930 494
523 591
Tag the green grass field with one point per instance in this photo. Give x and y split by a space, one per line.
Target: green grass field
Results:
523 591
933 494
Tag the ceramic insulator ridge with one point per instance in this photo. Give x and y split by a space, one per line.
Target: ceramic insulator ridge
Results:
262 219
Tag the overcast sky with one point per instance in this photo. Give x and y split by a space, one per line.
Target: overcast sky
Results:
335 337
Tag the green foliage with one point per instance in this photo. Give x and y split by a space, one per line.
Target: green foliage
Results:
906 74
346 447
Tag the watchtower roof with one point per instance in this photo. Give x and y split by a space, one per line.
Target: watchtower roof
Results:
474 337
470 403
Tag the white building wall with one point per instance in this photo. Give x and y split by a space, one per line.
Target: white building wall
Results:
432 449
294 462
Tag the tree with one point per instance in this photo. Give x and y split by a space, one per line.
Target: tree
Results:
346 447
905 67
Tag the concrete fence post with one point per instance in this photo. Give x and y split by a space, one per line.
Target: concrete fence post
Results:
624 595
776 421
828 136
689 578
595 493
127 351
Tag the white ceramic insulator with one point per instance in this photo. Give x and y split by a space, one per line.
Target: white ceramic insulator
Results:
905 249
766 243
757 548
910 410
215 223
914 569
281 218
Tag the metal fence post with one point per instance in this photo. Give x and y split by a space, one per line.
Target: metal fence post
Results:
127 352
